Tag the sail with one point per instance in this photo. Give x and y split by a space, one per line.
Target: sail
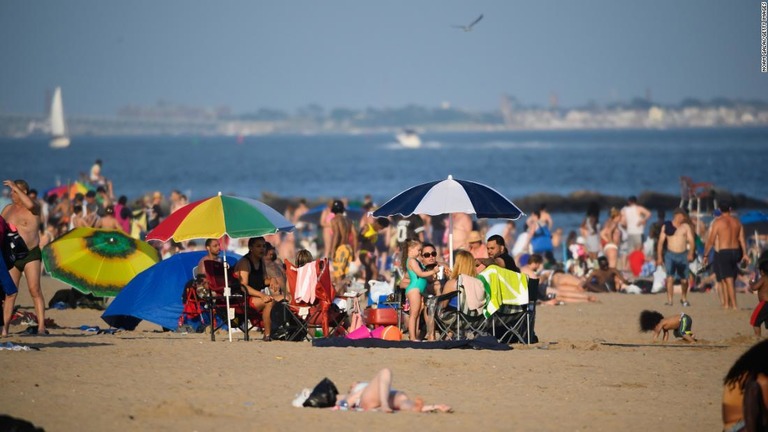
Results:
58 127
59 138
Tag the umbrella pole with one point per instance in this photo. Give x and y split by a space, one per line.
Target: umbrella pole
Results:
450 262
227 292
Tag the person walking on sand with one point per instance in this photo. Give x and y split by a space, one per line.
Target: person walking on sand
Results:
24 214
728 234
675 250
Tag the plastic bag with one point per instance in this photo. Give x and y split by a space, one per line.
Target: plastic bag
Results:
323 395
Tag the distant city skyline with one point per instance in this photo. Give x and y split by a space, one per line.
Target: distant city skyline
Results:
345 54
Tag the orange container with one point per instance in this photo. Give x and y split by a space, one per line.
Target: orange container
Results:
380 316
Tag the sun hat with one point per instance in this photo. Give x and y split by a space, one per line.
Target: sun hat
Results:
337 207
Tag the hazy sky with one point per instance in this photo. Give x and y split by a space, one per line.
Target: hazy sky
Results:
356 53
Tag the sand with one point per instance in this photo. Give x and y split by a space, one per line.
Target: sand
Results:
148 380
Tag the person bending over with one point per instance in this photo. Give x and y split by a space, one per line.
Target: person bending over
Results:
680 325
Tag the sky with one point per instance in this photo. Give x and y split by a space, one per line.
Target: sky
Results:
355 54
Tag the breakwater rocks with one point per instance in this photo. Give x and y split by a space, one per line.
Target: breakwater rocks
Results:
580 201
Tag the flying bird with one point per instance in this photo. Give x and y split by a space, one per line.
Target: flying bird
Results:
469 27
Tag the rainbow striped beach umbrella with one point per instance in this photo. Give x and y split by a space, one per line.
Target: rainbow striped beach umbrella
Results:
216 216
219 215
97 261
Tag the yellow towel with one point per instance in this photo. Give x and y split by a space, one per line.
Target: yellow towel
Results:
504 287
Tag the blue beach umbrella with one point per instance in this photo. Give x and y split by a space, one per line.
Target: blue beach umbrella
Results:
156 293
451 196
754 221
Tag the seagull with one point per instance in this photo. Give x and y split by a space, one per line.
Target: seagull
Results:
469 27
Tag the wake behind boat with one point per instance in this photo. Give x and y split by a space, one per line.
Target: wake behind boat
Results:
59 136
408 138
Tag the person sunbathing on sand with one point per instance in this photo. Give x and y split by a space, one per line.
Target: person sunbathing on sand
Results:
379 395
559 286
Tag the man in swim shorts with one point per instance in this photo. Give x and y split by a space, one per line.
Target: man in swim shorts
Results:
24 214
728 233
678 238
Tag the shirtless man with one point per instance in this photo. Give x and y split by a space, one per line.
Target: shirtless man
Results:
605 278
24 214
728 233
679 252
462 226
109 221
343 241
214 249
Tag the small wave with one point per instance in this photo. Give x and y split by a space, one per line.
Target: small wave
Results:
428 145
504 145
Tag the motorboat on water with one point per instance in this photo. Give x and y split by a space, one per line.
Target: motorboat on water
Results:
408 138
59 135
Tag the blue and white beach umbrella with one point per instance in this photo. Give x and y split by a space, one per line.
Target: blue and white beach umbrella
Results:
451 196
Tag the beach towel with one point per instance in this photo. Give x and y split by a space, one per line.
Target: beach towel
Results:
474 292
306 280
504 287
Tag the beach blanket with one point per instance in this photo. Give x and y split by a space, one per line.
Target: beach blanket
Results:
306 279
503 287
474 290
481 342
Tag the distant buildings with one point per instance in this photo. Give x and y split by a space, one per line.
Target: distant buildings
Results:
168 119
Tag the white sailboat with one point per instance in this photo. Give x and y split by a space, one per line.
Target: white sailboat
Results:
59 136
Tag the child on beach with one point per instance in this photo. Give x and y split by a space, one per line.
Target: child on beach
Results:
418 284
680 325
760 314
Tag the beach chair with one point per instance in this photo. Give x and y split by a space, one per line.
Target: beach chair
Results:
453 317
314 303
238 314
511 305
194 302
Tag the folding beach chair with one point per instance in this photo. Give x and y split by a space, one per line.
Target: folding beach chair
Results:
511 305
238 315
453 317
313 303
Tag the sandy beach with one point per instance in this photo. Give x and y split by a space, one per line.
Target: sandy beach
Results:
149 380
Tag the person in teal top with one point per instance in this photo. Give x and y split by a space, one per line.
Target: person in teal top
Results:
417 285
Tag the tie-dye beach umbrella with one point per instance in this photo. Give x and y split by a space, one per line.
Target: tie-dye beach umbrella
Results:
216 216
97 261
451 196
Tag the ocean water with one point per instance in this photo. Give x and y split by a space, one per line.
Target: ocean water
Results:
617 162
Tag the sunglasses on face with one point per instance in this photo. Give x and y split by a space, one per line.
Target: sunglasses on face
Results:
429 254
